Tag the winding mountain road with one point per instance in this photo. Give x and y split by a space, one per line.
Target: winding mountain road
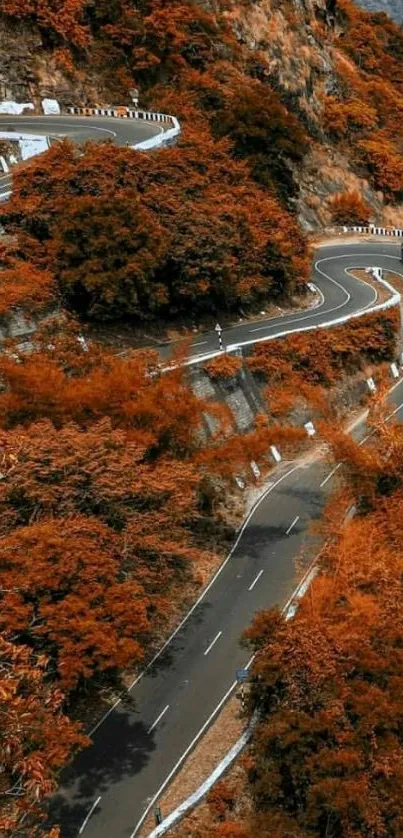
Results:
110 787
341 295
79 129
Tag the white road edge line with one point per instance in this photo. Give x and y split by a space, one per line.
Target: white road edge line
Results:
251 587
292 524
396 410
211 583
305 311
202 595
209 648
292 598
84 823
316 311
158 719
190 747
330 475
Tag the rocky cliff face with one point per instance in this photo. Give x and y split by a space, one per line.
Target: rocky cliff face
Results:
293 46
299 54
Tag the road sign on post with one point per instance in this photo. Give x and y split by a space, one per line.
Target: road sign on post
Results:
218 329
242 675
158 815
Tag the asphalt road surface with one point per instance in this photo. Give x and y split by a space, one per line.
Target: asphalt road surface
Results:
341 294
109 788
79 129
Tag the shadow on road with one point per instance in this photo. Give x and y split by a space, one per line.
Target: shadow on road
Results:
119 754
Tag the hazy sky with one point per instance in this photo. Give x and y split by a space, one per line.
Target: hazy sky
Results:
393 7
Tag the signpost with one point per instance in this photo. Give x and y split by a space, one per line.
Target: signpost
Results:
218 329
242 675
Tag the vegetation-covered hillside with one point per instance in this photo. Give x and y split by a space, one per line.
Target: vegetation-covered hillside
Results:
327 687
287 110
111 491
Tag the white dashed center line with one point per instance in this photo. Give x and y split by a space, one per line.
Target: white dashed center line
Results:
212 642
292 525
84 824
255 580
158 719
330 475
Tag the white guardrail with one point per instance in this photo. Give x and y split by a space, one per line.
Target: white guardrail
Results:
165 137
370 230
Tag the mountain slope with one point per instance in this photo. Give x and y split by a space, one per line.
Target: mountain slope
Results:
322 71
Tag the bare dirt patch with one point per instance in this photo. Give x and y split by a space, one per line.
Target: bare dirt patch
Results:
383 293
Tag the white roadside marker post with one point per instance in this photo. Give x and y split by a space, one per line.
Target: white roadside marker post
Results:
255 468
310 428
371 385
218 329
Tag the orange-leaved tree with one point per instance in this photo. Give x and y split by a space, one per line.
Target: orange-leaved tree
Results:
66 595
187 237
350 208
38 739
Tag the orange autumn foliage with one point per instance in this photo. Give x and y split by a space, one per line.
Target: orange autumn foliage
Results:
38 739
224 366
65 596
350 208
108 458
365 111
349 117
372 40
190 59
303 366
384 161
25 287
186 236
59 21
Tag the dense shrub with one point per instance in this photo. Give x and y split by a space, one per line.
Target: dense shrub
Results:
129 235
224 366
350 208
